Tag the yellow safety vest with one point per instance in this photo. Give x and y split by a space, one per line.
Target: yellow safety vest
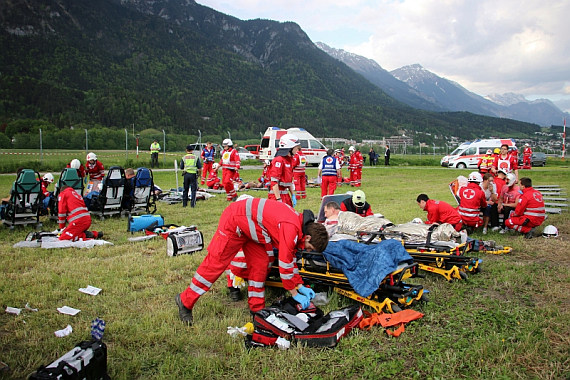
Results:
154 147
190 164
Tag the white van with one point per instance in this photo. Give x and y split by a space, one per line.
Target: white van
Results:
467 154
310 146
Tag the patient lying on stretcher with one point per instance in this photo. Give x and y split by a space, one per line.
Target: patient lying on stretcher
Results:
344 225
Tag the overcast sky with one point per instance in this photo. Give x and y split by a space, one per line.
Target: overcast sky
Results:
488 46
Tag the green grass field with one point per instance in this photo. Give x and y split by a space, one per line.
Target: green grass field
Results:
509 321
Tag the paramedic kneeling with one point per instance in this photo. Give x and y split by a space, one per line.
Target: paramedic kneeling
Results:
249 224
71 209
439 212
530 212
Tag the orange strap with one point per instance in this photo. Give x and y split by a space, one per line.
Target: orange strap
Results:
398 319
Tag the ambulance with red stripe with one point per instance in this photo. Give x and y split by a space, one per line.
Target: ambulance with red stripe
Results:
312 148
467 155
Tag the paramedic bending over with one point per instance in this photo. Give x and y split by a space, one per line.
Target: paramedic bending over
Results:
249 224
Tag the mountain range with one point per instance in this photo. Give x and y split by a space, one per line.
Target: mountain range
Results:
420 88
183 67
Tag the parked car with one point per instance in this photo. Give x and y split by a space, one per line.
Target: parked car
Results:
537 159
254 149
245 154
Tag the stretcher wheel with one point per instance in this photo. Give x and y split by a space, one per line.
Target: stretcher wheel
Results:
463 275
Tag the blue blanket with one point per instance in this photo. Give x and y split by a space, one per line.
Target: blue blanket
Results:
366 266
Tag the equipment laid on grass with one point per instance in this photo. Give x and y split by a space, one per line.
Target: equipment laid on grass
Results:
188 240
142 222
24 205
284 322
88 360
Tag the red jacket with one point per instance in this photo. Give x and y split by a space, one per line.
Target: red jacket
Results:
472 198
96 171
281 172
230 159
527 152
70 207
356 160
212 178
441 212
531 205
275 223
44 186
299 163
508 163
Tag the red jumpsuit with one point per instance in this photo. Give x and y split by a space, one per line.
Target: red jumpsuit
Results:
71 208
529 212
355 168
527 154
213 182
251 225
264 179
207 162
442 212
281 173
96 173
299 177
472 199
230 163
508 163
485 163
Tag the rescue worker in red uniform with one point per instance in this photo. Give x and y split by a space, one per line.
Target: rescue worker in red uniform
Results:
529 213
439 212
355 166
249 225
527 157
95 169
213 182
264 179
357 204
230 163
471 200
281 187
47 180
71 209
299 175
207 156
76 164
329 172
506 161
485 163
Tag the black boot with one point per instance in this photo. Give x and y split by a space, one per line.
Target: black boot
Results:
184 313
235 294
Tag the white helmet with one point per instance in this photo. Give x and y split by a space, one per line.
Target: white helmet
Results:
75 163
511 179
417 221
475 177
359 198
489 151
48 177
267 162
526 144
215 166
351 148
227 142
91 156
550 231
288 141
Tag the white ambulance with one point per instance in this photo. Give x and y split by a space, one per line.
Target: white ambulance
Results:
310 146
467 154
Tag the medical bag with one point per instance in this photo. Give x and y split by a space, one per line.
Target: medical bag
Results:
87 360
140 222
188 240
310 327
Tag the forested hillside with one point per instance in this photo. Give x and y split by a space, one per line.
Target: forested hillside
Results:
181 67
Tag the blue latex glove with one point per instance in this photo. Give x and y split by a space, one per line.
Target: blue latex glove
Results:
302 300
294 200
307 292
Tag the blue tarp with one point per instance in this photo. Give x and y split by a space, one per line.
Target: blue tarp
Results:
366 266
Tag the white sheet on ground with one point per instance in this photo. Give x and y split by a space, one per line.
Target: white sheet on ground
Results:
53 242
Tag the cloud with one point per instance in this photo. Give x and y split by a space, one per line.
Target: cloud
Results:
488 46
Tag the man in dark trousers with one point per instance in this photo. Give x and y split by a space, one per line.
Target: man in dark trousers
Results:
190 166
387 156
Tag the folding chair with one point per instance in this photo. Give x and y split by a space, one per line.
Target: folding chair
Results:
110 198
25 200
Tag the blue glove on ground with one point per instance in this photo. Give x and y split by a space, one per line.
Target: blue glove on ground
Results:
307 292
294 200
302 300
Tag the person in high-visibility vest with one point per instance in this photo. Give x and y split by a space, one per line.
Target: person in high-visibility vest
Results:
191 167
154 151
